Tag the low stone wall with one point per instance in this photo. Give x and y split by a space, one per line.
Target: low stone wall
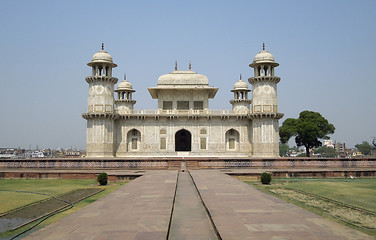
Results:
306 173
190 163
64 175
301 163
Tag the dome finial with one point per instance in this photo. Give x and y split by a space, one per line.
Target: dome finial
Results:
176 65
263 46
102 46
190 66
125 77
240 76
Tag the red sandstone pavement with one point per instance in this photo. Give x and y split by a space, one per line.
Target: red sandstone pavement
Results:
240 211
139 210
142 208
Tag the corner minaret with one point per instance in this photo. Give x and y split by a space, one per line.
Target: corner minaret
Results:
240 103
265 105
264 83
101 115
124 102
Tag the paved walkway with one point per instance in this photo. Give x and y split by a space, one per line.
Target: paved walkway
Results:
139 210
240 211
142 209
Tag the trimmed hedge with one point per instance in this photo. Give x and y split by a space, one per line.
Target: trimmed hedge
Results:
266 178
102 178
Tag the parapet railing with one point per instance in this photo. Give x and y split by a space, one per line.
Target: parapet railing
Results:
186 112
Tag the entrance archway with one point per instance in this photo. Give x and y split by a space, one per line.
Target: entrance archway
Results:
183 140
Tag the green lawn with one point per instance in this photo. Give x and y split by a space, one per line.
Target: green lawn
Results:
356 192
12 200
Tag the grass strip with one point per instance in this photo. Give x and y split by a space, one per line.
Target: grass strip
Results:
48 206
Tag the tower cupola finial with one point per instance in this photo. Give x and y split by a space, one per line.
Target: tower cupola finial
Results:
240 76
176 65
190 66
263 46
125 76
102 46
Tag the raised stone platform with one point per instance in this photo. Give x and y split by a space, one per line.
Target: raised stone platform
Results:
190 162
130 168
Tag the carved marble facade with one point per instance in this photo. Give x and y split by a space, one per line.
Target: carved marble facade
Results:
183 124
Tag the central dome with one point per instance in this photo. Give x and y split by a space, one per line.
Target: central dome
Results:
183 78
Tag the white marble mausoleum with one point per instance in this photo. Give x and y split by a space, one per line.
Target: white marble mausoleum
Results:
183 124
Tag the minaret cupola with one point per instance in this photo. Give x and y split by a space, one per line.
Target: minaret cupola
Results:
240 103
263 63
124 102
102 63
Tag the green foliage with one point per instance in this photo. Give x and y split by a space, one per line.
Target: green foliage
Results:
283 149
102 178
364 148
266 178
307 129
326 152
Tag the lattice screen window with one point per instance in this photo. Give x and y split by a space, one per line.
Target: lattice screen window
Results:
202 143
203 131
167 105
162 131
183 105
231 143
198 105
134 143
163 143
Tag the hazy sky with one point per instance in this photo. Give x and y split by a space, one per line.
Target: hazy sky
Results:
326 50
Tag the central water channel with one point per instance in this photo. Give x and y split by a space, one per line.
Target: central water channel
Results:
189 218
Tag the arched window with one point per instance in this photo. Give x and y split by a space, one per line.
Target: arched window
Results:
232 140
163 139
100 71
133 140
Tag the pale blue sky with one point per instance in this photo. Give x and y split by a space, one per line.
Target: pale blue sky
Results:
326 51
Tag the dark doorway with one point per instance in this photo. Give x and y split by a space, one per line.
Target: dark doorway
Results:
183 140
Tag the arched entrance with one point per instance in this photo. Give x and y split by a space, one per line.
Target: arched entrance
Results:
183 140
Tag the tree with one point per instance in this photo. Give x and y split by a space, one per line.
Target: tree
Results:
307 129
328 152
364 148
283 149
